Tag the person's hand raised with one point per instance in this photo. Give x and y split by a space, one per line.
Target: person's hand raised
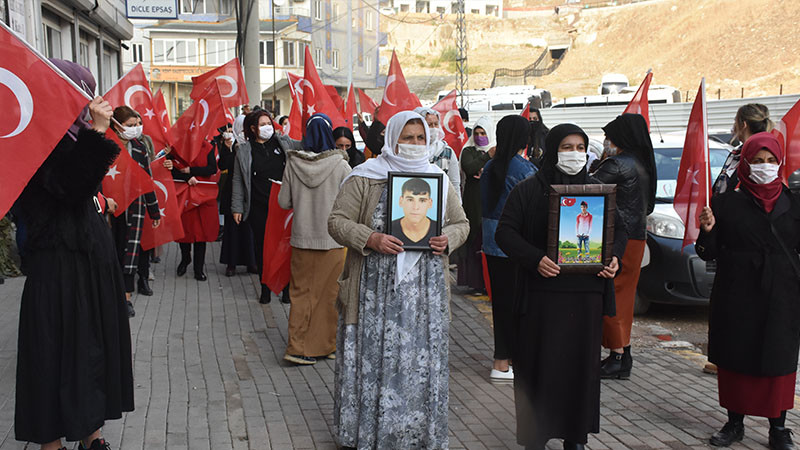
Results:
101 112
707 219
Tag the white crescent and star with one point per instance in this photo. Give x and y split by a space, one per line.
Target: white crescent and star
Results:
163 188
446 121
389 81
24 99
113 172
132 90
149 113
204 105
232 82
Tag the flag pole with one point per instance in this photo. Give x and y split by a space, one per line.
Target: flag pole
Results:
706 158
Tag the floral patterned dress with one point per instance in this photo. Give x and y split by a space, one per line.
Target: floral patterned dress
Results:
391 387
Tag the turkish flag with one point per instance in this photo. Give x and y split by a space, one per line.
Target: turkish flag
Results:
396 96
693 187
133 90
454 132
787 130
171 228
277 249
230 79
365 103
349 109
202 119
335 98
161 112
125 180
190 197
316 98
32 93
639 103
296 113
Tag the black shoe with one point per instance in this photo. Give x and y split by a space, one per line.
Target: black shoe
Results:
285 297
780 438
230 271
200 276
612 368
252 269
155 259
572 446
97 444
131 311
627 359
143 287
265 296
182 266
731 432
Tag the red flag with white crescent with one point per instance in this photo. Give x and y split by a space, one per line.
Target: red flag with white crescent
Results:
693 186
365 103
39 105
639 103
171 228
396 95
296 113
787 130
231 84
454 132
277 234
316 98
133 90
201 120
349 109
125 180
161 112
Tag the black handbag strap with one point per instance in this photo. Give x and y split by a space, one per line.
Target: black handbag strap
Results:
794 258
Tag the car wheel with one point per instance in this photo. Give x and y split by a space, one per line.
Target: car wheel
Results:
640 305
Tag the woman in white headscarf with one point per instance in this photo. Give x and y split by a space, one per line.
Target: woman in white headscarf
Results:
391 385
441 154
478 150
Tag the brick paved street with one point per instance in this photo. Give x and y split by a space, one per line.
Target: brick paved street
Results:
209 374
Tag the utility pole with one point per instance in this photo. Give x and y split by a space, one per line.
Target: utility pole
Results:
274 64
462 82
350 47
249 49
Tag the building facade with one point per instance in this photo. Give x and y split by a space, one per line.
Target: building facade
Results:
483 7
89 32
205 36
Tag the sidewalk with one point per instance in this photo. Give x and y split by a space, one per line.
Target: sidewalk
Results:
209 374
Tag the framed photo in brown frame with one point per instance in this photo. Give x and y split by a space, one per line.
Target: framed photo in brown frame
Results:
414 208
580 229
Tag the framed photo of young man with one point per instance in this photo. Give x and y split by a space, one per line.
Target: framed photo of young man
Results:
581 226
415 208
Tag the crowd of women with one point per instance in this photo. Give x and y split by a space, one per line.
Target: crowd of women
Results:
382 311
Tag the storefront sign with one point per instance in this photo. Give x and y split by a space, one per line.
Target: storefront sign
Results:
151 9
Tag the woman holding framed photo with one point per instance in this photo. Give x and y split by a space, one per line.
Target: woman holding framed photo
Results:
558 317
391 385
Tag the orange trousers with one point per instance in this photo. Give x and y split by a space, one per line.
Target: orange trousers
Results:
617 329
313 289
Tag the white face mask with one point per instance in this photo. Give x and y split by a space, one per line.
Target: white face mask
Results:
286 129
227 136
764 173
129 133
438 133
609 149
265 132
571 162
412 151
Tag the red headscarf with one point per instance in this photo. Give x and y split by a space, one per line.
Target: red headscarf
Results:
766 194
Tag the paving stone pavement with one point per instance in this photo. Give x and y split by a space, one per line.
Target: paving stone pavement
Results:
209 374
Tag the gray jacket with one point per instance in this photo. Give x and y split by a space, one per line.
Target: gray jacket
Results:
242 174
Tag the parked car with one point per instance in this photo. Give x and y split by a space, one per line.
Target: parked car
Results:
671 274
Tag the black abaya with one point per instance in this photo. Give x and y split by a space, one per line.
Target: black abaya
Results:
74 352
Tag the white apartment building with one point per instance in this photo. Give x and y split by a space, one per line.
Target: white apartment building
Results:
483 7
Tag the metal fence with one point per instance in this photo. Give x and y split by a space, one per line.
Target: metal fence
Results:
544 65
663 117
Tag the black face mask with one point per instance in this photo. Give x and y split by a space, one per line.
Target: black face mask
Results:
375 139
536 125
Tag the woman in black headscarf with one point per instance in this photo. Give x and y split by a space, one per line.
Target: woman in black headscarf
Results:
536 139
630 164
74 368
346 141
558 317
375 137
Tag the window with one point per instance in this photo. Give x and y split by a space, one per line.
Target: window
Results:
335 12
52 41
318 9
370 20
335 59
174 51
475 11
289 54
404 8
266 53
193 6
136 52
440 9
318 57
84 53
219 52
368 65
225 7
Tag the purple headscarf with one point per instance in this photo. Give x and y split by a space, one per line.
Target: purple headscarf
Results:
83 78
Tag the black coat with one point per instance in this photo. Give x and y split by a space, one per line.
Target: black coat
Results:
633 186
754 327
227 158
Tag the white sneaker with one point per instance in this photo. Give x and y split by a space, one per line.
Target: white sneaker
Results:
497 375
